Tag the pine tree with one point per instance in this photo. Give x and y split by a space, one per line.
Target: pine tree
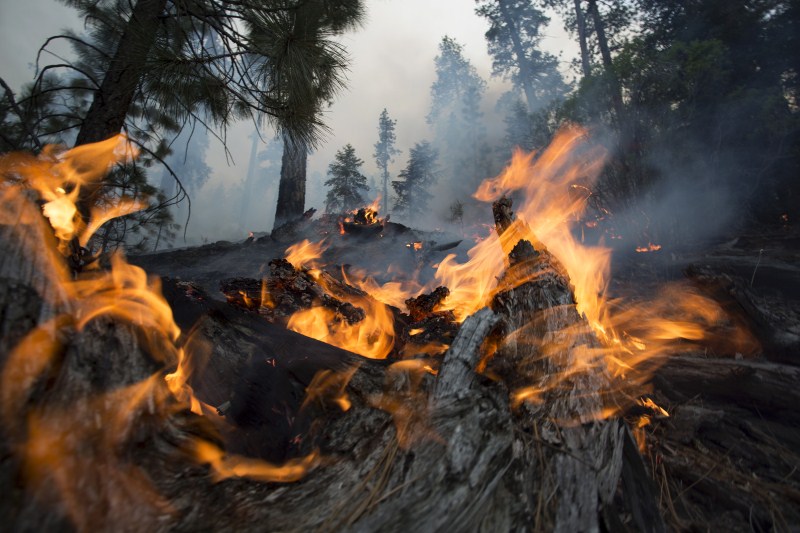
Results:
154 64
346 180
420 173
385 152
514 39
456 117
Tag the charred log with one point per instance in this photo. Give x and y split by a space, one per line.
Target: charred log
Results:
288 291
292 230
545 354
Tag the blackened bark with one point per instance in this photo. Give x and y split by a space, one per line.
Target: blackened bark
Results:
542 350
292 188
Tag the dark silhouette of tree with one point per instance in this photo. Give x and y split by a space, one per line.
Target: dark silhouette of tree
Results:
385 152
308 46
420 173
345 182
514 38
160 63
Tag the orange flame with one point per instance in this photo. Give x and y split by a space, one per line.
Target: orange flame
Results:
53 440
372 337
649 248
305 253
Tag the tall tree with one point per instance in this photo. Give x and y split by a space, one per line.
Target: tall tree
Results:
514 40
385 152
614 88
420 173
308 45
456 117
580 27
345 182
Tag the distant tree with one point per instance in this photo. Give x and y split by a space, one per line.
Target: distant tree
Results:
457 213
456 117
385 152
455 75
345 182
420 173
514 41
526 130
188 159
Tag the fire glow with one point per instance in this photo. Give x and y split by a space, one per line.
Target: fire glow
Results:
633 336
52 439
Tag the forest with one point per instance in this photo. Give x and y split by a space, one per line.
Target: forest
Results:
572 305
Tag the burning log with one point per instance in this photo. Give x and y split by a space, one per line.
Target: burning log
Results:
109 412
287 290
548 358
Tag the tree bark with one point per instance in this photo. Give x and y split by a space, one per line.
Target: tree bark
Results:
581 22
522 61
605 52
109 109
574 455
292 188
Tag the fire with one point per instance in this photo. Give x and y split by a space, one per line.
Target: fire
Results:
227 466
372 337
305 253
649 248
554 186
38 196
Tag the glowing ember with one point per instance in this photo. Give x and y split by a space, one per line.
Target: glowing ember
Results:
649 248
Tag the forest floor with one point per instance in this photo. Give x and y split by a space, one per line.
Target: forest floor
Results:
728 456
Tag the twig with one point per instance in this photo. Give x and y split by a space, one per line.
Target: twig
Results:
753 277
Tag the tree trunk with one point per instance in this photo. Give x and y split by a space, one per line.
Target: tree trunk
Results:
605 52
522 61
385 191
106 115
292 188
581 21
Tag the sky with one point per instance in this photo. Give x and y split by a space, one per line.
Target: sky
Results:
391 67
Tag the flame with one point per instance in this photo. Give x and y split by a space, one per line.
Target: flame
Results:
555 185
394 293
329 386
72 449
232 465
305 253
371 337
649 248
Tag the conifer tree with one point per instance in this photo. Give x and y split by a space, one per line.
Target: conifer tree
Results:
385 152
514 38
420 173
345 182
456 117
